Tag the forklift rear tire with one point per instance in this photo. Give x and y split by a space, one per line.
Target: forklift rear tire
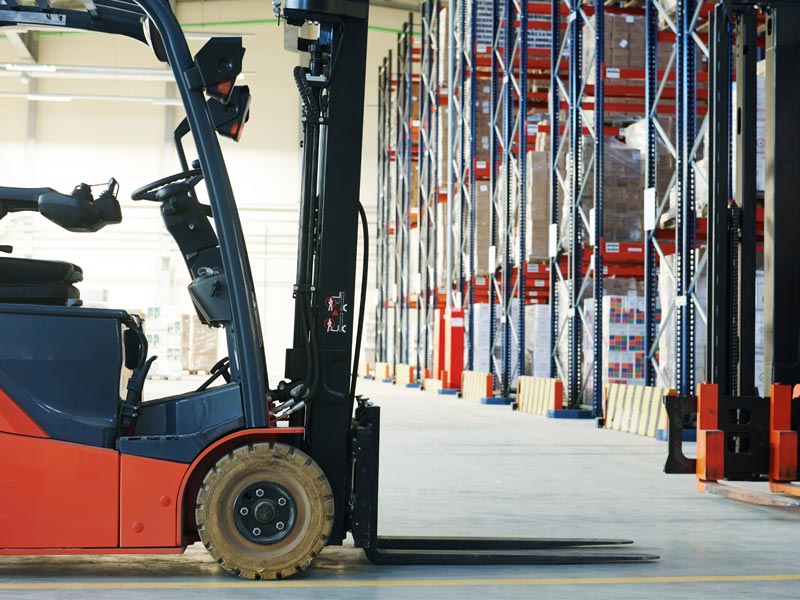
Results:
264 511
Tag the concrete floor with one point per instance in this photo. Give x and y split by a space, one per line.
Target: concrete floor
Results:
451 467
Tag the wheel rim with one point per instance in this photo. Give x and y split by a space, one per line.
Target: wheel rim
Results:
264 512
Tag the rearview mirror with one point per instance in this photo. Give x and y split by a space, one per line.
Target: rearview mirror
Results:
219 63
229 119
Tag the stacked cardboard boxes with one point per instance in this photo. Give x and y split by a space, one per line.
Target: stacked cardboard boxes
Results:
483 342
537 340
624 45
442 143
623 340
200 350
165 339
482 99
483 230
538 210
666 346
636 137
624 42
623 204
538 36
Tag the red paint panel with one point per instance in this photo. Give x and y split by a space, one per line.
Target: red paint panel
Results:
710 456
782 440
15 420
148 504
453 346
57 495
74 551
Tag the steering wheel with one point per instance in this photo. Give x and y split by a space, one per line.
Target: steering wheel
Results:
149 191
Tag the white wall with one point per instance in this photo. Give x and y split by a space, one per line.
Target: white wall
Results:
135 264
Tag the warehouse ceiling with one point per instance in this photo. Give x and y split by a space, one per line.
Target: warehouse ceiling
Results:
27 68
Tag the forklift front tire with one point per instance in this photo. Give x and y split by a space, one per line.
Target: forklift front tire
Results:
264 511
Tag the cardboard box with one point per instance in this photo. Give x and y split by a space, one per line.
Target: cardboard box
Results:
538 204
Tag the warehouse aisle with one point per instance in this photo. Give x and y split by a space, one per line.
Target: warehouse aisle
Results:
451 467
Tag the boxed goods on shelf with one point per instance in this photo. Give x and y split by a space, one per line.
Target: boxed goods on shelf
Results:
537 340
623 340
666 345
483 342
636 137
624 44
538 209
483 230
442 143
623 194
538 37
482 98
623 332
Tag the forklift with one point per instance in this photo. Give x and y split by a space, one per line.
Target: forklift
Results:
263 476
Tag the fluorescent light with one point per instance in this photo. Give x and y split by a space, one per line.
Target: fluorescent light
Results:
32 68
167 102
48 98
88 72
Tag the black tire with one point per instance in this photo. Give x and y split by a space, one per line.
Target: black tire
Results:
292 470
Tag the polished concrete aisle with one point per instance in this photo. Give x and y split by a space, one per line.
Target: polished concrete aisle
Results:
451 467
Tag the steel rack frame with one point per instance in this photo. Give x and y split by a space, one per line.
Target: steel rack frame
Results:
427 292
460 216
685 308
402 196
384 207
508 166
572 180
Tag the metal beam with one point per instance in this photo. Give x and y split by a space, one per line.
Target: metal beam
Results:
745 194
718 357
19 41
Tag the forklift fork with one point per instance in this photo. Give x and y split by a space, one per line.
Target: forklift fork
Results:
383 550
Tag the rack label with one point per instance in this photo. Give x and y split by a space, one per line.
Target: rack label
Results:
612 73
650 209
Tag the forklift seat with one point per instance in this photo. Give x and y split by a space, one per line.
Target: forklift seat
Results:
28 270
43 282
45 294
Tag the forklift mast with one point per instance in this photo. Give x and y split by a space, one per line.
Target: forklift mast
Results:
332 91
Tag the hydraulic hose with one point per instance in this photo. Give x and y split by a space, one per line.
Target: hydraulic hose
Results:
363 300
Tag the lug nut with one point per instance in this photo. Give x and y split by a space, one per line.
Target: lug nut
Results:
279 525
256 531
243 511
281 501
259 493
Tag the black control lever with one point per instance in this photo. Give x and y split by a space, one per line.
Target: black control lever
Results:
78 211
